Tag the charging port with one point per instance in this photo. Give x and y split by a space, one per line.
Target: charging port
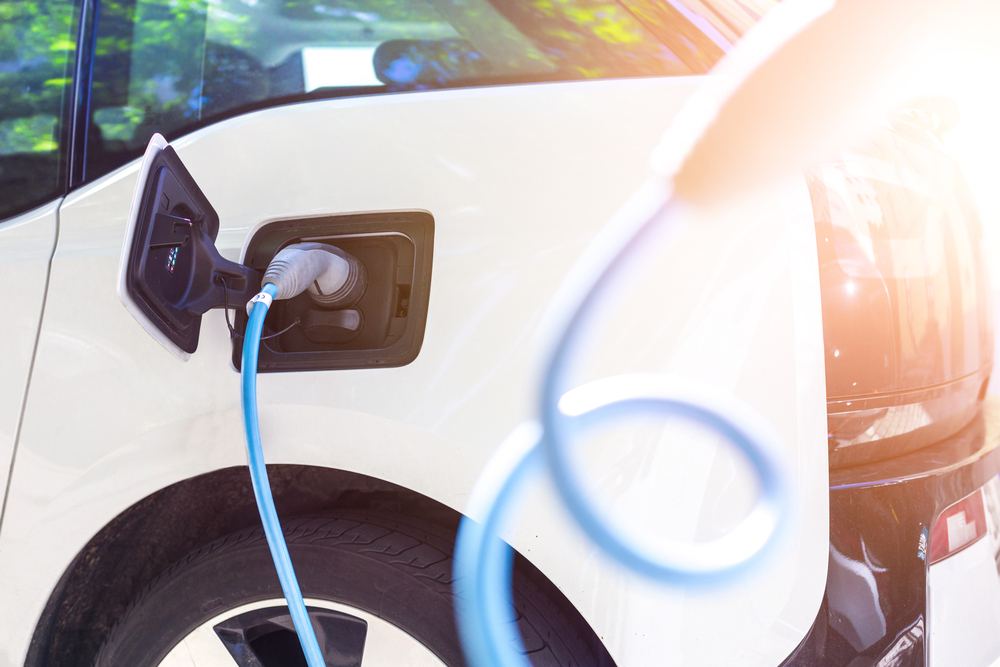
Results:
384 328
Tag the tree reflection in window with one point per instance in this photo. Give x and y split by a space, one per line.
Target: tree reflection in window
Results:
37 50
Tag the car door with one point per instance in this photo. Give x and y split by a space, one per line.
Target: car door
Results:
518 129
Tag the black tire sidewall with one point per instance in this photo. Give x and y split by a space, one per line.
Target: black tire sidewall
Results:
395 567
395 571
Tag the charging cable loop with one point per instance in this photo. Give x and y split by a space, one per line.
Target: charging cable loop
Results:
621 397
608 270
483 561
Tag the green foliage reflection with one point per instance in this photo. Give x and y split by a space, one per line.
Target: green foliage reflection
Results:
36 55
37 51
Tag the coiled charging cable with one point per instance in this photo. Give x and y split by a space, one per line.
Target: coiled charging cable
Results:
486 620
722 144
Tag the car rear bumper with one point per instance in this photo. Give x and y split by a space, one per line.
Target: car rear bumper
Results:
884 604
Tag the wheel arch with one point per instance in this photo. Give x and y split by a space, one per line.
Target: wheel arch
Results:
147 537
131 550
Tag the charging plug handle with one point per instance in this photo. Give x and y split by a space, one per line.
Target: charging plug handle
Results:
215 280
333 278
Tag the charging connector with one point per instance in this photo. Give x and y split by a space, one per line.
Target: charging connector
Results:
333 278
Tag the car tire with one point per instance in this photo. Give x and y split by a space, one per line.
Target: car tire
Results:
398 569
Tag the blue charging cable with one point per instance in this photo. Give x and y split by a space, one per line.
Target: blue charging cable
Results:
486 619
261 485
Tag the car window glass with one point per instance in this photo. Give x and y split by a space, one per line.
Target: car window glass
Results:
172 65
37 47
699 31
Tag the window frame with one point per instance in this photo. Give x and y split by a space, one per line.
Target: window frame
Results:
76 127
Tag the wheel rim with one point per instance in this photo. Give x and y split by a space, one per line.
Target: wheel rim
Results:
385 645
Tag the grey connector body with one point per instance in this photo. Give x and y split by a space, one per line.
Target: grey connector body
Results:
333 278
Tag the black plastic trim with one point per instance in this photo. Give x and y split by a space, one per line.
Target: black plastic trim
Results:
341 637
80 112
174 271
417 227
970 446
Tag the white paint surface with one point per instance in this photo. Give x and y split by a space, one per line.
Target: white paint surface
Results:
26 245
518 180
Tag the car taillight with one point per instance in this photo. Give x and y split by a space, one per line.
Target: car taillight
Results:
957 527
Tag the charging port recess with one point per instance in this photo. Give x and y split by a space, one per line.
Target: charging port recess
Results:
385 328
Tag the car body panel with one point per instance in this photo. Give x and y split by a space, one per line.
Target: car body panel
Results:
26 245
518 179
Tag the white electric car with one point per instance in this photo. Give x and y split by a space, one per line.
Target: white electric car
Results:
466 151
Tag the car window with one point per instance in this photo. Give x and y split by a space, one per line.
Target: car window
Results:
170 66
37 48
